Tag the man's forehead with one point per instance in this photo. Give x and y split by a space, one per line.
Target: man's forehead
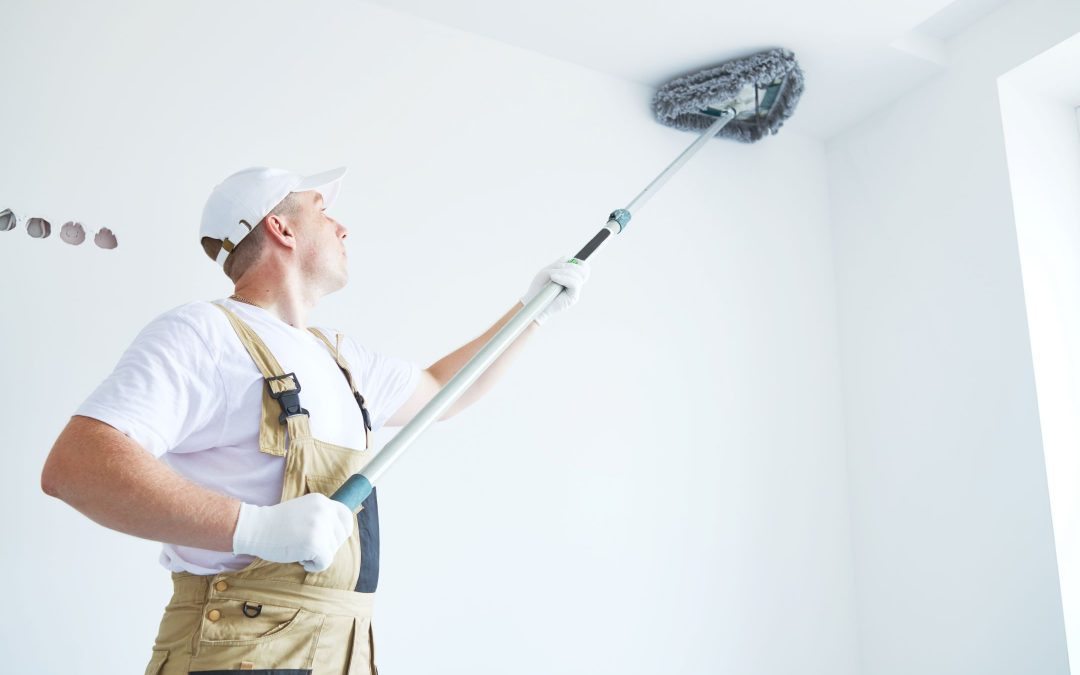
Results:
314 196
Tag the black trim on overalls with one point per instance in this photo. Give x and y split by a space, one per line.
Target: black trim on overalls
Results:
368 521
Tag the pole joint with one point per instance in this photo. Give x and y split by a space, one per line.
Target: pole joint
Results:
620 216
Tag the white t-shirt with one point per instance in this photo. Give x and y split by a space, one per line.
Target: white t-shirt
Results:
188 391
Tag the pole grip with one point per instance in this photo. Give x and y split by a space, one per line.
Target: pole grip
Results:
353 492
594 243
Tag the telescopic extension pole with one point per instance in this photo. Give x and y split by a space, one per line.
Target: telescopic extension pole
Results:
356 489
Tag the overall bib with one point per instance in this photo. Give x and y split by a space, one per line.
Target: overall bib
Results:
277 618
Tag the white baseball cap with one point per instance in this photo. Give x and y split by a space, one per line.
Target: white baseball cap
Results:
241 201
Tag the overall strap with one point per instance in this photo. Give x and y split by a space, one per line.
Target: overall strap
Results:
344 365
281 400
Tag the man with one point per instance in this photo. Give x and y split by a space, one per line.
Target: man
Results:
269 573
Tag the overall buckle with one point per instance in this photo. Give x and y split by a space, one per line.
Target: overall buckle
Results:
363 410
289 399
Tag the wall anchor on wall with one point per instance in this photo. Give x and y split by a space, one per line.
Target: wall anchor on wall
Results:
72 231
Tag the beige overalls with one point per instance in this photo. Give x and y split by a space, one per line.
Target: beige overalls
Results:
277 618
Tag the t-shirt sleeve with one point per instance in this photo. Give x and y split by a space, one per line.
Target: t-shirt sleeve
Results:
165 392
386 382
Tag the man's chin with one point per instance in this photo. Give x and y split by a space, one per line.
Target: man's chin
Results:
339 284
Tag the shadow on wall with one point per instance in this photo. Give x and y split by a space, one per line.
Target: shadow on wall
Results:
72 232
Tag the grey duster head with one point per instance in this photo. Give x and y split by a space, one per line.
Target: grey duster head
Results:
763 88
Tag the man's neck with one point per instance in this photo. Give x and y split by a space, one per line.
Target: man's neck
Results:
282 300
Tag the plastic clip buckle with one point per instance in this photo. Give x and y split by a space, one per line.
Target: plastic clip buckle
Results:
289 399
363 410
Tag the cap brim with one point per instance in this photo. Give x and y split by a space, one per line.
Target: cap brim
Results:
327 183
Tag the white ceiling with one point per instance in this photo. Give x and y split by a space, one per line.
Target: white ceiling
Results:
845 47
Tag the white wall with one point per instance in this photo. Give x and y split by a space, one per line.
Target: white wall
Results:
658 484
951 523
1043 144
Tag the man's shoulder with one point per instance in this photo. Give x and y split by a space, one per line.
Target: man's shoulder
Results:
189 323
199 314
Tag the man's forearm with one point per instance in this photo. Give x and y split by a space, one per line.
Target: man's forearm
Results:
114 481
448 366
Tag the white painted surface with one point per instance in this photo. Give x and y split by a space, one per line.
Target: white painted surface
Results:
659 483
1043 145
950 512
956 17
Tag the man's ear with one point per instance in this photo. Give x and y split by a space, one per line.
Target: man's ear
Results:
280 230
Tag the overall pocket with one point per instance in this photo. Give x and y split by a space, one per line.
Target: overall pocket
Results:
273 638
326 485
157 661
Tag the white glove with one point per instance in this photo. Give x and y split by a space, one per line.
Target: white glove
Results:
571 273
308 530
